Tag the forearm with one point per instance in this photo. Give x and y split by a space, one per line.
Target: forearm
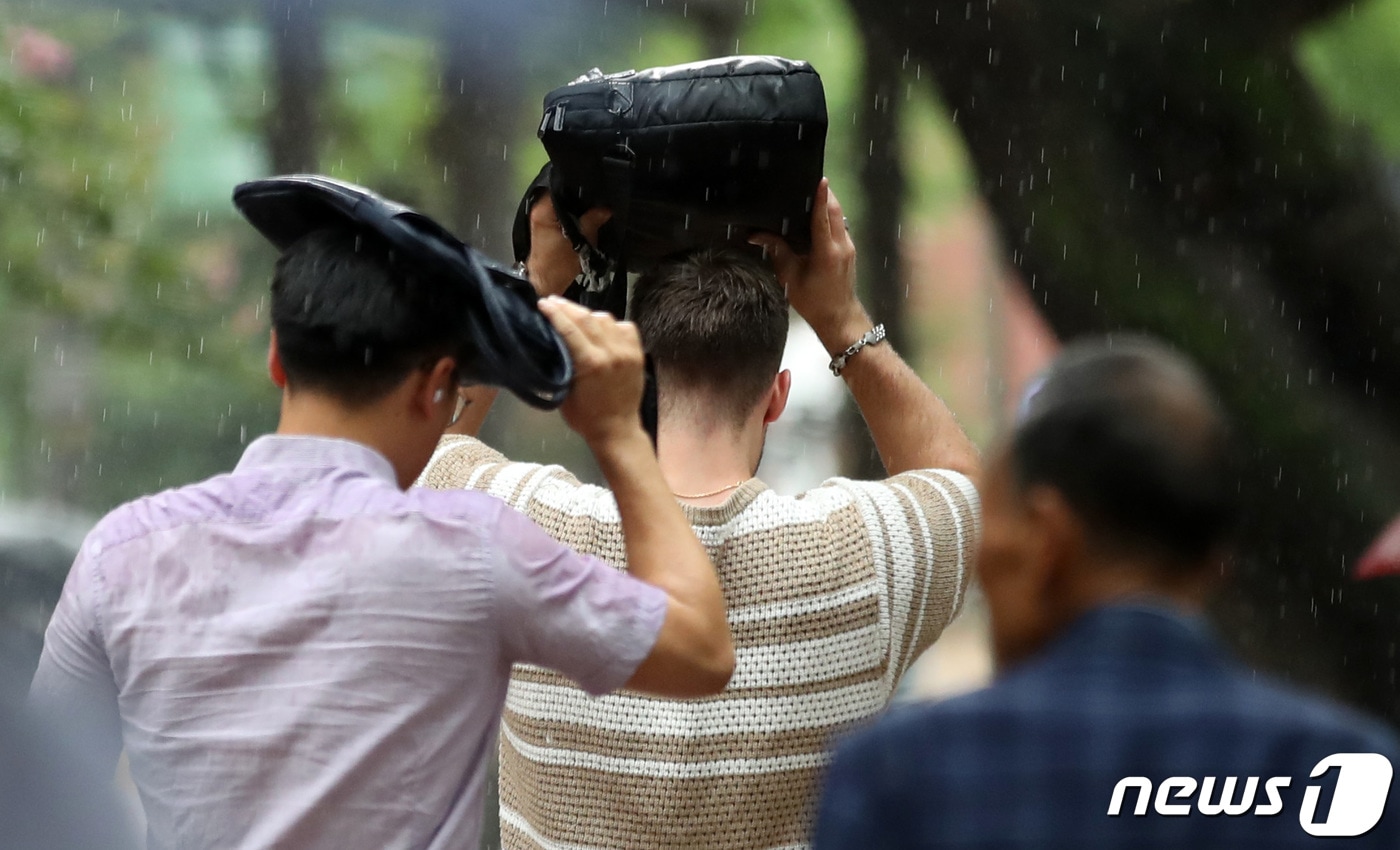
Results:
911 426
693 653
661 546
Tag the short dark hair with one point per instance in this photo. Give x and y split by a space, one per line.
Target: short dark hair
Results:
715 319
353 320
1131 435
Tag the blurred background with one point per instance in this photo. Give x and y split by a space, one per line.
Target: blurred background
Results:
1222 175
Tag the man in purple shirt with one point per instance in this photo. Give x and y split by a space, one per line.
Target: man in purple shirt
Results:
303 654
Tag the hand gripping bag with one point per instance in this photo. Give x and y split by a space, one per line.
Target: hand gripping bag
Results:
513 345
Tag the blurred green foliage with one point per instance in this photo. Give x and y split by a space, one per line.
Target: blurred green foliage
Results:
123 327
1354 61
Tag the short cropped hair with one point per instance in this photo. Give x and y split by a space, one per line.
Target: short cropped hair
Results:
1133 438
714 320
353 320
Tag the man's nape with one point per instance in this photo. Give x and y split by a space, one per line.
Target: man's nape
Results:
715 322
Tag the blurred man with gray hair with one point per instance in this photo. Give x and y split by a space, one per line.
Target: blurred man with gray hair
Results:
1116 720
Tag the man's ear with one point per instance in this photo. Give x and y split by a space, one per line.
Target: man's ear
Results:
274 364
1059 537
435 389
778 397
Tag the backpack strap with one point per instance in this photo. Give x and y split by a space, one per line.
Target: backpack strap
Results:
618 172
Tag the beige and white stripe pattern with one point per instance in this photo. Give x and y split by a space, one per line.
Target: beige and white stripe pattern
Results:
831 595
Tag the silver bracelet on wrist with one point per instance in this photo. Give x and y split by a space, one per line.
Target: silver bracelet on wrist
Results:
871 337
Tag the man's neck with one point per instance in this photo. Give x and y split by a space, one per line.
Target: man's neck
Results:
700 460
1107 581
309 415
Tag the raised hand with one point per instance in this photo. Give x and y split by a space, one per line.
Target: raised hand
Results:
822 285
552 264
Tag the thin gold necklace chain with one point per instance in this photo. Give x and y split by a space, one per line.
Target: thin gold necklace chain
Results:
711 493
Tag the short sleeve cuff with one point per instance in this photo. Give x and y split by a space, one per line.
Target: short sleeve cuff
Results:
634 637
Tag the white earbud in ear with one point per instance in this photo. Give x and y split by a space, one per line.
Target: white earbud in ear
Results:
437 396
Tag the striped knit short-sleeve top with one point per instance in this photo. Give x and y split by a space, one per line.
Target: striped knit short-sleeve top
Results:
831 595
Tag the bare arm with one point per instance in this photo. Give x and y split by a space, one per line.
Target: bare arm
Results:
911 426
694 653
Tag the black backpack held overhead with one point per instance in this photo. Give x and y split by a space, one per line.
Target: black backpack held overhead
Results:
686 156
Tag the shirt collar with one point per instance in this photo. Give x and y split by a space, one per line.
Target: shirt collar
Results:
283 452
1142 627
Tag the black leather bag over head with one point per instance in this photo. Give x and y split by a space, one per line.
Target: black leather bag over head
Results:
513 345
689 155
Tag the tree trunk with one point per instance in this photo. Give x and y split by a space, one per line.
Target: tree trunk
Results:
877 232
483 104
296 31
1165 167
719 22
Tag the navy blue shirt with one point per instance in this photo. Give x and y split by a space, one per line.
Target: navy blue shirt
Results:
1033 760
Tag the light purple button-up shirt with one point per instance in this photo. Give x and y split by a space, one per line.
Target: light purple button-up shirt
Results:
299 654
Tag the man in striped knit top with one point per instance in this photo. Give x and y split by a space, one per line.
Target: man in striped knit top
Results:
831 593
